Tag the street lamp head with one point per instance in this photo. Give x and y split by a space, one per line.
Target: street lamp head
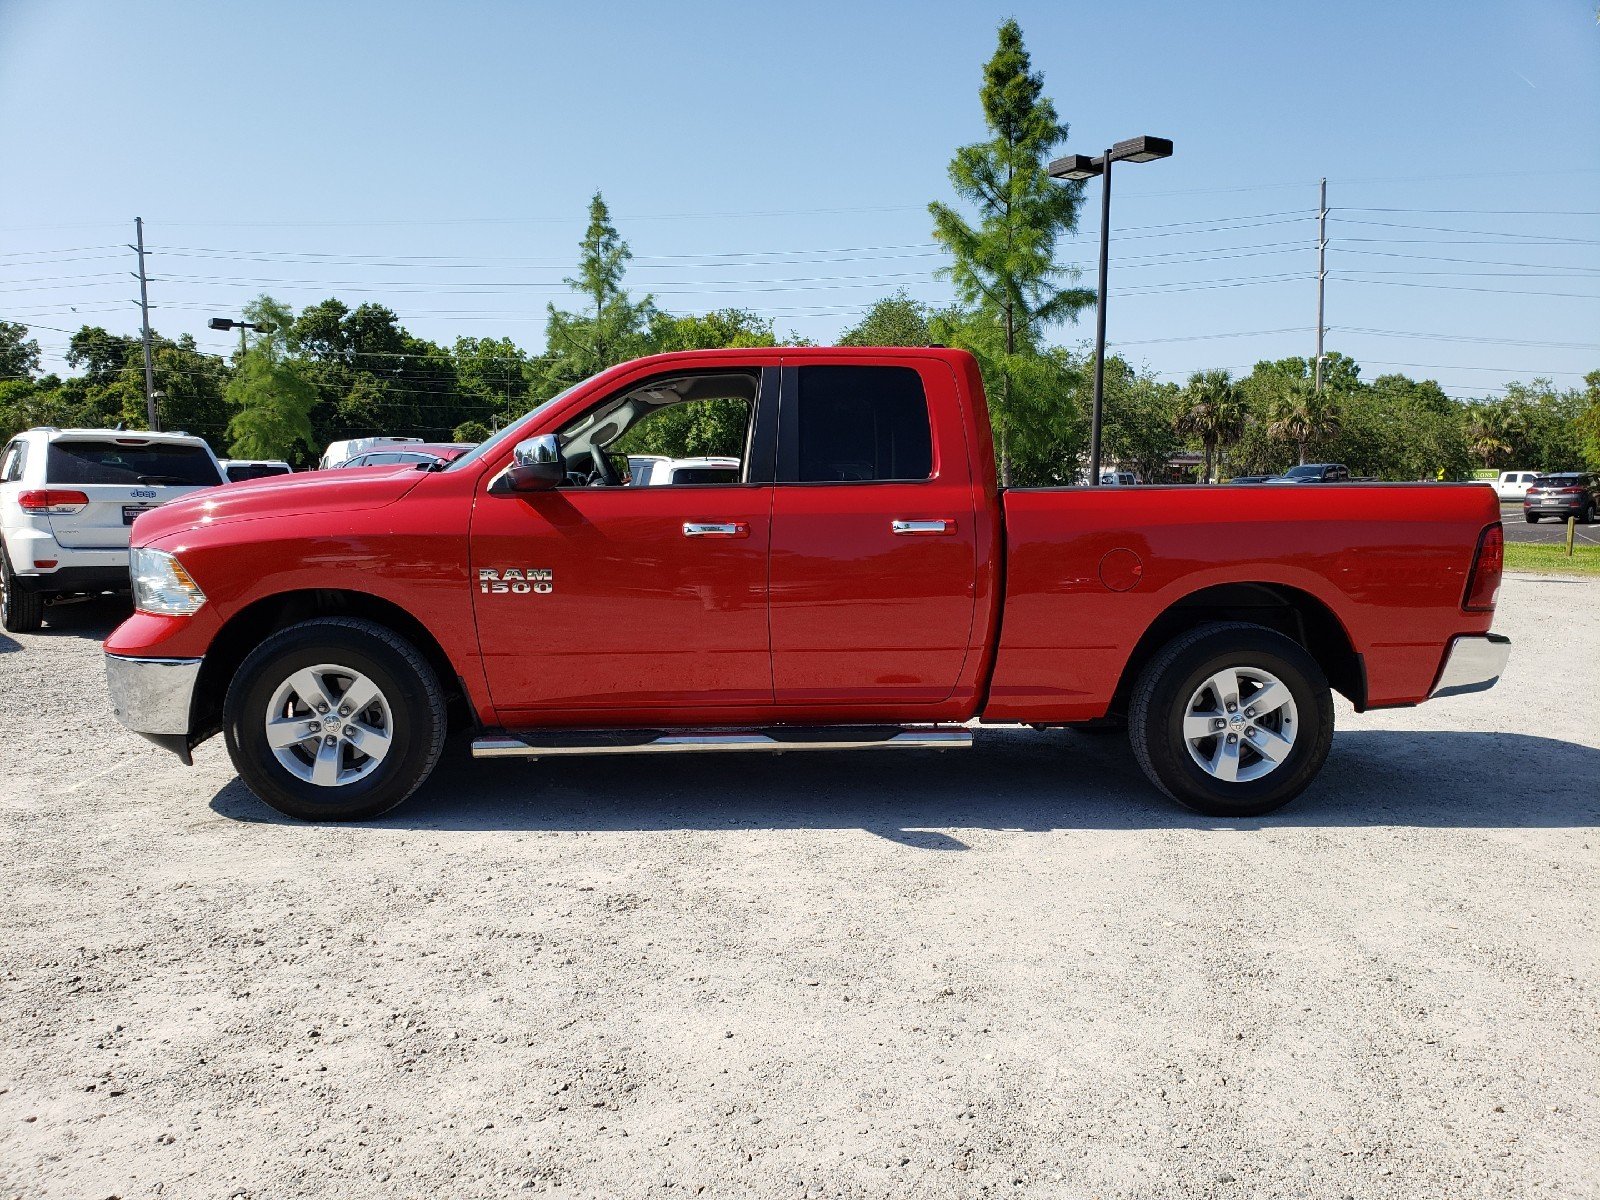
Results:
1141 149
222 323
1074 166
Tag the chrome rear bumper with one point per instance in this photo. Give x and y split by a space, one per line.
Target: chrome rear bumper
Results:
1472 664
152 695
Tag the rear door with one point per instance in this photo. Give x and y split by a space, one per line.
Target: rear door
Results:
874 543
120 477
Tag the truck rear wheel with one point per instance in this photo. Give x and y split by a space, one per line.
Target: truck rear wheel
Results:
334 719
1231 719
20 611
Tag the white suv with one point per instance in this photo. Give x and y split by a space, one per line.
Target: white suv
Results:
68 499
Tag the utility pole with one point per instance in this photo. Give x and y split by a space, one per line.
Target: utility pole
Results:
144 308
1322 271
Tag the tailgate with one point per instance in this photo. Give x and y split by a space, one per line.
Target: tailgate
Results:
120 476
107 520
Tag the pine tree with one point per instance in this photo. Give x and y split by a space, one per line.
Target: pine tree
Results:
1004 266
610 328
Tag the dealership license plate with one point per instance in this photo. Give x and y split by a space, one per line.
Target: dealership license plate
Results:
130 512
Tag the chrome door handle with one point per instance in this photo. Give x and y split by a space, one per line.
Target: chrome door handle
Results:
730 529
924 528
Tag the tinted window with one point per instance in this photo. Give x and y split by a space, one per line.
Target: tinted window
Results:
863 423
706 475
1558 481
253 471
11 469
153 465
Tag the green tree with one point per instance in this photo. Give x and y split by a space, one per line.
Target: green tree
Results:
470 431
611 326
1303 415
896 320
272 392
1488 437
19 353
1004 267
725 327
1587 425
1210 411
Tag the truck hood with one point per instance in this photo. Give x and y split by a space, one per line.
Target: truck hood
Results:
303 495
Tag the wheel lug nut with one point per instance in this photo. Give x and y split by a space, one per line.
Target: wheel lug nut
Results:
1232 738
322 708
344 710
1232 707
1219 723
330 740
1249 712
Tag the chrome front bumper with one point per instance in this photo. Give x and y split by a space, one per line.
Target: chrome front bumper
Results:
152 695
1472 664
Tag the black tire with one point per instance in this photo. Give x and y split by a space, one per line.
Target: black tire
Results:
1161 699
407 683
1587 516
20 611
1530 518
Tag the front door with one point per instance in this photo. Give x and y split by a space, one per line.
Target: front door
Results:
606 599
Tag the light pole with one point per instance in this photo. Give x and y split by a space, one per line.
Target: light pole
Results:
1081 166
227 323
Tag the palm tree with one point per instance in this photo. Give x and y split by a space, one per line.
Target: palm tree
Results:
1301 414
1489 433
1209 408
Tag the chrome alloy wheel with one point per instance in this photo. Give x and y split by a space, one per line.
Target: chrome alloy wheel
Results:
329 725
1240 724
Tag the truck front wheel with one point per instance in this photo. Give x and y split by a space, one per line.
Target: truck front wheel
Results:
1231 719
334 719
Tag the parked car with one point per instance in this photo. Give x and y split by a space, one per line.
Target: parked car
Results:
1568 494
68 498
1118 479
664 472
339 453
1314 473
864 584
1250 479
242 470
412 455
1514 485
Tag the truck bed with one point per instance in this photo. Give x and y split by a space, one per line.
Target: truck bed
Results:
1089 572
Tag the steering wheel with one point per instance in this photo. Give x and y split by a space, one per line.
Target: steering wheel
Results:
605 475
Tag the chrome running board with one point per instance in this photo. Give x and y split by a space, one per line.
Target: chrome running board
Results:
551 743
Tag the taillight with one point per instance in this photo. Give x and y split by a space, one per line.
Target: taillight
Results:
52 502
1577 491
1533 491
1488 561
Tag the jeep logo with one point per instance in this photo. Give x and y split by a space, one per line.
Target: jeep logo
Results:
141 494
517 581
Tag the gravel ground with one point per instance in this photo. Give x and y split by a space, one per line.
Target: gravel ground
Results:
1015 972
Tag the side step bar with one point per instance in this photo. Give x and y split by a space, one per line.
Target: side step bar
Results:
550 743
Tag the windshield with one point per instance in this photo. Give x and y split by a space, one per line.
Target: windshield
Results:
484 449
1306 472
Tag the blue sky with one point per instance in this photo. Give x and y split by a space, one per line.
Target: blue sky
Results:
438 158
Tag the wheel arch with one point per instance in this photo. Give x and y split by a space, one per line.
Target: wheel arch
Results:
259 620
1289 610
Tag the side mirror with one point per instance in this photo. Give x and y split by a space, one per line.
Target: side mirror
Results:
536 466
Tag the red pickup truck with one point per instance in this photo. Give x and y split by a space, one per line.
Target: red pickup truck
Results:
861 583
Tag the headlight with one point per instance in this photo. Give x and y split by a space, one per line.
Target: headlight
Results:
162 586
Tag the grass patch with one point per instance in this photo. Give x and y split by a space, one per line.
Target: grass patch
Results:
1530 556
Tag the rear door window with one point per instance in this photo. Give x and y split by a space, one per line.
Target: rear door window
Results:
150 465
860 424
